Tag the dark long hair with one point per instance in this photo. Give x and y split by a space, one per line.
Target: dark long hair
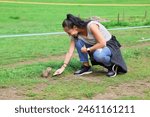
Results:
72 20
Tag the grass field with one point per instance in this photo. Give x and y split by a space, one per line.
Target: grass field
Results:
28 18
92 1
22 59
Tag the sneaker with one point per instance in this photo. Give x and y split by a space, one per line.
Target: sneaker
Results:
112 71
83 70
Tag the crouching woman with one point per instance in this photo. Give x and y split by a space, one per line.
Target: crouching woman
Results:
93 39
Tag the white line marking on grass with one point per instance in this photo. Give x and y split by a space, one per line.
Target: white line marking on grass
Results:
61 33
35 34
73 4
144 40
126 28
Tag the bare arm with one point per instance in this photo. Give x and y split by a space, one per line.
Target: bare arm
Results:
69 53
67 58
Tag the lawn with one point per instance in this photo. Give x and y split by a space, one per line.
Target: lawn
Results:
22 59
94 1
28 18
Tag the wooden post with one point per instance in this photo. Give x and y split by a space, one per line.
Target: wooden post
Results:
118 18
145 14
123 15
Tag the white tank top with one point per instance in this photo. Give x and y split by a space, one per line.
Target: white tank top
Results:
90 38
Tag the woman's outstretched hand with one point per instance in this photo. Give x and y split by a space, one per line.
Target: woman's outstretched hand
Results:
59 71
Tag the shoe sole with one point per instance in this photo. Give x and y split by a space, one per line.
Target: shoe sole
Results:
83 73
113 75
115 70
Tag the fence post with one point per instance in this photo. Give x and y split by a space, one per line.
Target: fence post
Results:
118 18
145 15
123 16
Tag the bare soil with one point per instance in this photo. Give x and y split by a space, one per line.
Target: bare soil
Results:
12 94
135 88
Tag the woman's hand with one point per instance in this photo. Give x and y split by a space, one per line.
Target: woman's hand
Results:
59 71
84 49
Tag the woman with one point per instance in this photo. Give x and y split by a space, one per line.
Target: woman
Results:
91 37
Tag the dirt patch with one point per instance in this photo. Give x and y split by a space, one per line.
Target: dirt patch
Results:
39 87
88 78
99 19
95 77
135 88
11 94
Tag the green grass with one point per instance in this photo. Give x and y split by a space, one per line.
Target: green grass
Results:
31 47
27 48
130 38
147 94
94 1
23 18
29 76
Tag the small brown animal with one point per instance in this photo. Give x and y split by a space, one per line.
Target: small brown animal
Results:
46 72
